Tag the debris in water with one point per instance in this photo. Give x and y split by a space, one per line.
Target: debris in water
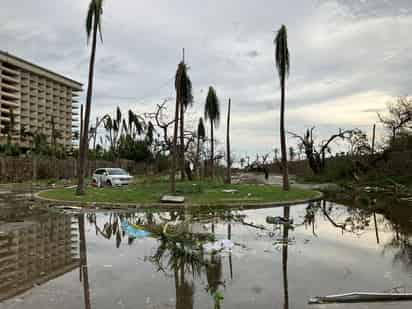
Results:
357 297
217 246
278 220
134 232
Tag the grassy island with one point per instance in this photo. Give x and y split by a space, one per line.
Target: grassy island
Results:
195 193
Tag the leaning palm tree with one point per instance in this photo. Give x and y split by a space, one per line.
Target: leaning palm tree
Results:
282 66
93 26
201 134
212 113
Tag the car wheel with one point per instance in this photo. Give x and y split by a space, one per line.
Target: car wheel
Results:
109 183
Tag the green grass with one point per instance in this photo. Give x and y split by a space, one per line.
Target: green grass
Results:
204 193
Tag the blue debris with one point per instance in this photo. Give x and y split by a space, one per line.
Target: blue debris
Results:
134 232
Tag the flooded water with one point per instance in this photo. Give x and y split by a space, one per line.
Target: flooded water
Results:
101 260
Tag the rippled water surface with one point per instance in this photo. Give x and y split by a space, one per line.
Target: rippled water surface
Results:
54 260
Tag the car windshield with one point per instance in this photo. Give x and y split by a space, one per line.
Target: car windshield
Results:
117 171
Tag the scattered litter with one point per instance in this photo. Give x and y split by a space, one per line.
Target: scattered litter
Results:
218 246
357 297
67 208
172 199
230 191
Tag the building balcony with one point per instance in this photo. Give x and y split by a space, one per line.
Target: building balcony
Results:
10 71
10 95
9 103
13 88
10 79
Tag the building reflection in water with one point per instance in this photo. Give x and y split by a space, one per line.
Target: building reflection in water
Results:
34 251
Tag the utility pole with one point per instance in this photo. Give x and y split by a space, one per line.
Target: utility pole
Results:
229 163
373 139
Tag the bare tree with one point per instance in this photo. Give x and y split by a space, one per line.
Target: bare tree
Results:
316 155
400 116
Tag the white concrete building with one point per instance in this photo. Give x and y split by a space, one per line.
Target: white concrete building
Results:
36 100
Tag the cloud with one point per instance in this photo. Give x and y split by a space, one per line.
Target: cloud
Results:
348 57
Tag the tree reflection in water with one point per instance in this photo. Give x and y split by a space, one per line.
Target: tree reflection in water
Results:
182 259
186 263
396 218
84 274
355 220
285 244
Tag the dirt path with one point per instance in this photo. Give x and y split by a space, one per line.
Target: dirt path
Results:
259 178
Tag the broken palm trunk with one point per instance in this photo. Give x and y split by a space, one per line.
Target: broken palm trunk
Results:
357 297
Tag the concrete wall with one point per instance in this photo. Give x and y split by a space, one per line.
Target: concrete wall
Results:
14 169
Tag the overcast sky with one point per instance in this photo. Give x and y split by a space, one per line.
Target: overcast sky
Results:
348 57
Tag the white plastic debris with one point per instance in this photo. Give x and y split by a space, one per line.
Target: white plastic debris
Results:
230 191
218 246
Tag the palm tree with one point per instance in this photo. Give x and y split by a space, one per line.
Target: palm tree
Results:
292 153
10 127
178 86
186 100
201 134
93 26
282 66
212 113
276 151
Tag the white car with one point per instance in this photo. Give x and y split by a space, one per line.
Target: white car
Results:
111 177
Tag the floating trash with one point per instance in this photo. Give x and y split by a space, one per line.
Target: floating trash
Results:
218 246
278 220
133 231
358 297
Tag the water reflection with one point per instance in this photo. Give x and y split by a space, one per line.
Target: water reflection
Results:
35 250
286 227
270 265
84 272
193 270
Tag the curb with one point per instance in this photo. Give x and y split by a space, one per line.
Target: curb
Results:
109 205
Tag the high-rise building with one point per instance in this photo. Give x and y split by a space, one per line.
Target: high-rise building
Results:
36 100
